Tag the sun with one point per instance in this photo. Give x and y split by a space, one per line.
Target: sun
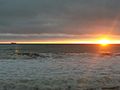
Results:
104 42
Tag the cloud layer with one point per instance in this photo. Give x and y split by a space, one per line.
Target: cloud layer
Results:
66 17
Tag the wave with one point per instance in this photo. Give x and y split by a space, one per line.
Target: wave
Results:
27 55
35 55
60 71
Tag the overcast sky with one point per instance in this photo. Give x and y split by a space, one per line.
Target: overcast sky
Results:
57 19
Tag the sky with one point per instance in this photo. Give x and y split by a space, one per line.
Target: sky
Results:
63 21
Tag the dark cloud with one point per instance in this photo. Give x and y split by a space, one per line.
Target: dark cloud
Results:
59 16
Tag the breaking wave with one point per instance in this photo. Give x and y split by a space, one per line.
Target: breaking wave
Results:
60 71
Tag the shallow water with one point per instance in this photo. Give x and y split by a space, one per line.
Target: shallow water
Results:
71 71
70 67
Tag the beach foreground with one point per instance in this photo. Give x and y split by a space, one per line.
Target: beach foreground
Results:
71 71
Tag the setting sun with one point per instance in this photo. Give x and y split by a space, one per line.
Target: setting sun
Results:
104 42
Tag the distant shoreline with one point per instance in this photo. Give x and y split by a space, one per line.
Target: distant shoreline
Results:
47 44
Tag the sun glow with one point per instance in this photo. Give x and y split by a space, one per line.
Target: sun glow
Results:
104 42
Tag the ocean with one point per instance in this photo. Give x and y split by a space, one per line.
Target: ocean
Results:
59 67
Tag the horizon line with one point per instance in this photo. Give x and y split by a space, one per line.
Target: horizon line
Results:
59 43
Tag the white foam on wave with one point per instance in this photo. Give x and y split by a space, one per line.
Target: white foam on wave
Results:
61 72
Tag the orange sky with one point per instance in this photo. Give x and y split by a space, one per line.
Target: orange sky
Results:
90 39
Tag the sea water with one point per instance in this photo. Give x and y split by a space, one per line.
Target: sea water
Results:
59 67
